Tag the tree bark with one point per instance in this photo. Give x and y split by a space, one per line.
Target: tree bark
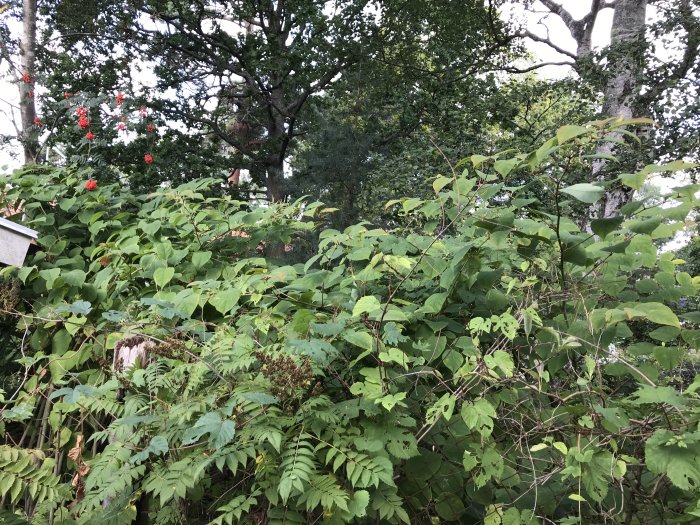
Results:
30 133
623 82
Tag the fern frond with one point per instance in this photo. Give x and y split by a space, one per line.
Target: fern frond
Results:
326 491
112 475
298 463
27 471
389 505
235 509
362 470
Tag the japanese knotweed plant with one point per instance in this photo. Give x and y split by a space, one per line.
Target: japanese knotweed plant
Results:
494 363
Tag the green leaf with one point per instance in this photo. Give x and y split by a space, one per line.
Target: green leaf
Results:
220 432
479 416
162 276
74 278
585 192
440 182
361 339
366 304
633 180
658 313
602 227
646 226
566 133
659 394
225 300
50 276
677 456
199 259
434 303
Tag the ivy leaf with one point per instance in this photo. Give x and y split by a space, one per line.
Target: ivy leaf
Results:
585 192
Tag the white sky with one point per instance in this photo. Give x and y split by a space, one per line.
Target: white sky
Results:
538 20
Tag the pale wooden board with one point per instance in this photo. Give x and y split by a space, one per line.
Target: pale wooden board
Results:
13 247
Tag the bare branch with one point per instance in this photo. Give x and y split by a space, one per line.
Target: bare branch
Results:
534 67
546 40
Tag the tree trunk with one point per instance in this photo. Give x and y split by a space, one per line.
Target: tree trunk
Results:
621 89
274 174
30 132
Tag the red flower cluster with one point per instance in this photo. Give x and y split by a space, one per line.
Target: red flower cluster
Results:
90 135
26 78
83 120
150 128
148 158
91 185
120 99
38 122
67 95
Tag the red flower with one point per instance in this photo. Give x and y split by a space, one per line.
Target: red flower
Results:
148 158
150 128
38 122
90 135
26 78
81 111
120 98
123 119
67 95
121 127
83 122
91 185
30 93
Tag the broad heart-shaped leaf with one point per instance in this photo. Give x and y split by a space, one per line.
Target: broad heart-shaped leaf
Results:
199 259
433 304
162 276
366 304
646 226
585 192
225 300
633 180
361 339
566 133
677 456
656 313
440 182
220 432
602 227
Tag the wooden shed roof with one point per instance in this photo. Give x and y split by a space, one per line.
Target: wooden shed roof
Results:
18 228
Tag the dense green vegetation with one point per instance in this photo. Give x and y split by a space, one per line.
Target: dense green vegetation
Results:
302 261
487 362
